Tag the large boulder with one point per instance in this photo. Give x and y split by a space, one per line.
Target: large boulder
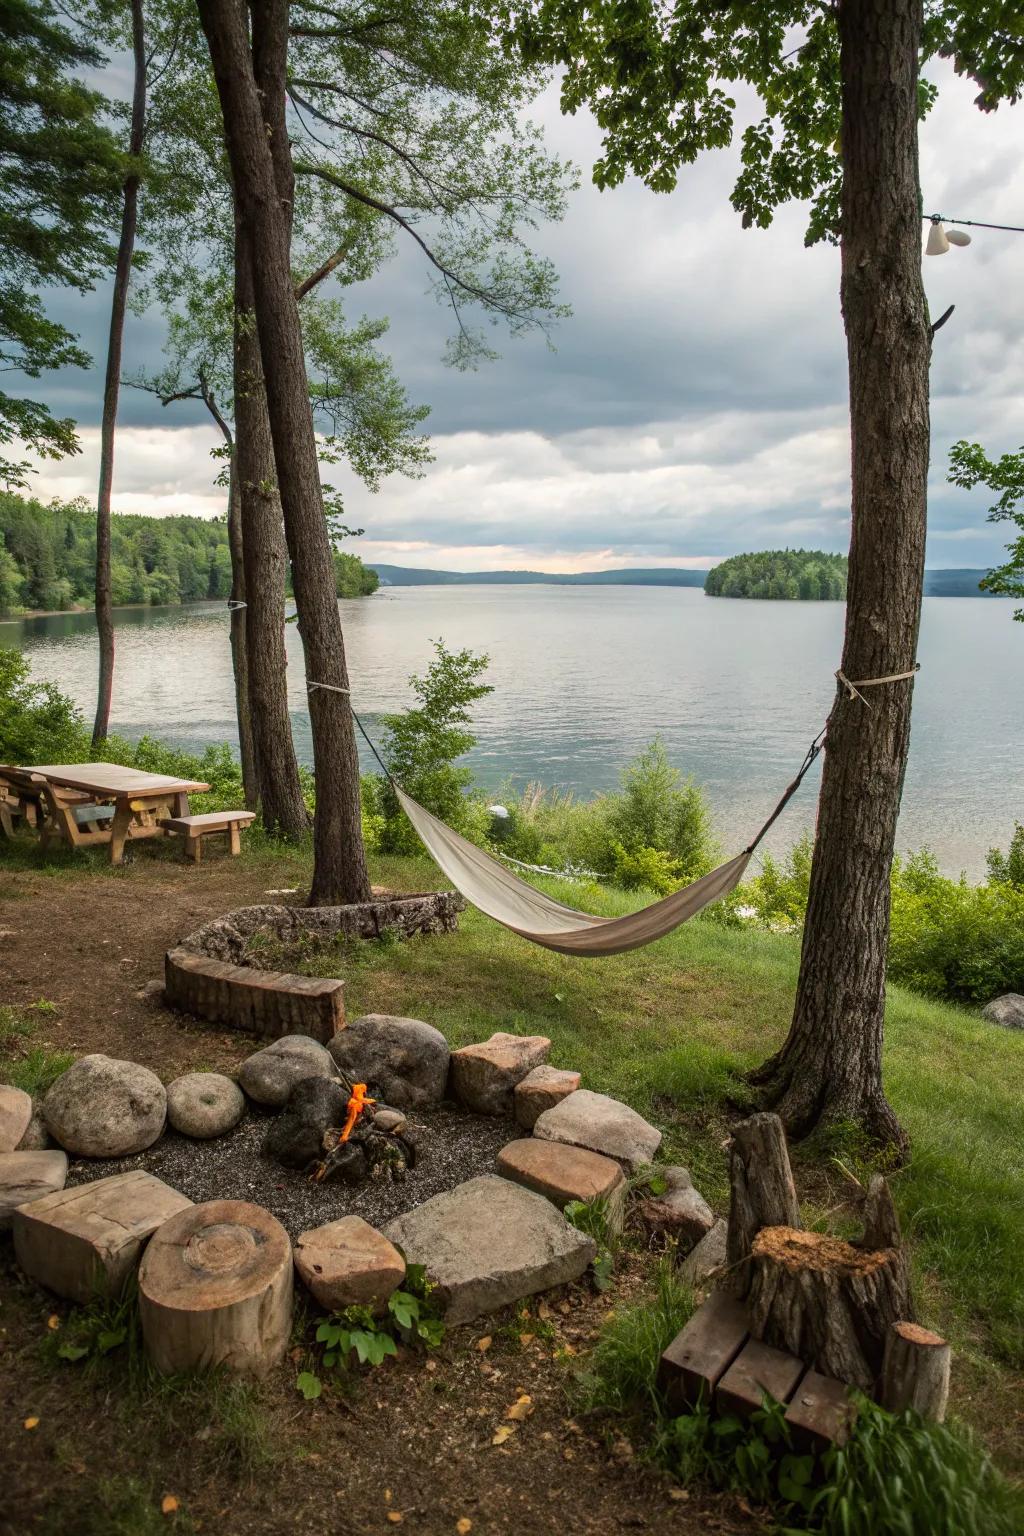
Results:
204 1104
405 1060
601 1124
348 1263
269 1075
101 1107
1007 1010
314 1104
15 1116
26 1176
680 1211
489 1242
484 1076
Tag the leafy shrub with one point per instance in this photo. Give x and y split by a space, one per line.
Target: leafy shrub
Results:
954 940
779 893
645 869
38 723
1008 869
421 746
658 809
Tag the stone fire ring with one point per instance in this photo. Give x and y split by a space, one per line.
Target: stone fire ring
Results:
206 974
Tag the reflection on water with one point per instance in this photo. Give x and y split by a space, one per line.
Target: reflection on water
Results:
586 676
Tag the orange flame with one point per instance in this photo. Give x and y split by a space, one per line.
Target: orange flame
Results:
356 1104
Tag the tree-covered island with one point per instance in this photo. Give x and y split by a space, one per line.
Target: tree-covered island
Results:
804 575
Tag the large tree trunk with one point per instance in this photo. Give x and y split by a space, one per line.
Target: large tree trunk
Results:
265 561
239 650
830 1067
112 385
254 131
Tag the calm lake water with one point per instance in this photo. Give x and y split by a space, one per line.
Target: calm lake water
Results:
586 676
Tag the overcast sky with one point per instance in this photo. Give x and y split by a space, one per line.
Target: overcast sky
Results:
695 404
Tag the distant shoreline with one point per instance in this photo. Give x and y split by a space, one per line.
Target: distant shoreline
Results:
938 582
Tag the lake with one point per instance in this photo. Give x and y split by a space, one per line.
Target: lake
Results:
584 677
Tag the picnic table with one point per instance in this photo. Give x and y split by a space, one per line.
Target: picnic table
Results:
141 801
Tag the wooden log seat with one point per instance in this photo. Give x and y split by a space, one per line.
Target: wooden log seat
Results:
195 828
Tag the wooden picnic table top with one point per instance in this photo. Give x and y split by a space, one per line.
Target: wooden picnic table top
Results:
115 780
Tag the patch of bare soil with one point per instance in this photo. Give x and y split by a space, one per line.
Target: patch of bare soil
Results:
406 1447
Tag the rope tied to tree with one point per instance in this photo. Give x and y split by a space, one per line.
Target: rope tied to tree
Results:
853 689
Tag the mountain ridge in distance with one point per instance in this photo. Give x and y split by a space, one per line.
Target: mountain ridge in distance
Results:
958 582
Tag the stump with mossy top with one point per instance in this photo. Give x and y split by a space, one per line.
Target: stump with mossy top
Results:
215 1288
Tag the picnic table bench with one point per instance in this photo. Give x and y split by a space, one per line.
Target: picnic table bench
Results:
72 796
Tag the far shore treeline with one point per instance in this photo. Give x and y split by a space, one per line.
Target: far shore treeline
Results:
48 558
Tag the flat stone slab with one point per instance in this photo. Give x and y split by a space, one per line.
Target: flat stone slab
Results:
484 1076
539 1090
15 1114
348 1263
489 1242
562 1173
88 1239
26 1176
601 1124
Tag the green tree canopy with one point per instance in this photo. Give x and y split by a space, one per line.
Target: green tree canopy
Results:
970 465
807 575
60 174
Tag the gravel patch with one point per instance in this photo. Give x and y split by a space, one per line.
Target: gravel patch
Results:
451 1146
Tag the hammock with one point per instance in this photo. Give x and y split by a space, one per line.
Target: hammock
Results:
502 896
508 900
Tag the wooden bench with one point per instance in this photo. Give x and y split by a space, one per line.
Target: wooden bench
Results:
195 828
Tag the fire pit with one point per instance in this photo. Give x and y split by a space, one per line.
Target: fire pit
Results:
368 1145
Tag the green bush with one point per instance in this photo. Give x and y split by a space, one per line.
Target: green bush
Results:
954 940
1008 868
421 745
38 723
779 893
658 809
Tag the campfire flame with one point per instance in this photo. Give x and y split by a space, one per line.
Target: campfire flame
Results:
356 1104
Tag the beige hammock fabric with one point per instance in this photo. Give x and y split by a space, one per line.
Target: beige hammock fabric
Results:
501 895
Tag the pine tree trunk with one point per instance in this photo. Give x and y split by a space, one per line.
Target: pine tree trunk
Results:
265 560
830 1067
112 385
254 132
239 651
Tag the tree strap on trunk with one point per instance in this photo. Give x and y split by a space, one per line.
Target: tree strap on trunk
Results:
853 689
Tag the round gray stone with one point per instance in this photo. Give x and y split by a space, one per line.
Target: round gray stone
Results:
36 1138
405 1060
1007 1010
270 1075
102 1107
204 1104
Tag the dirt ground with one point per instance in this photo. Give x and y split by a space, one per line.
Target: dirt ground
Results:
408 1447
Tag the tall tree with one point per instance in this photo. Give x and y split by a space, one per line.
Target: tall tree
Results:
112 381
60 169
841 94
254 129
970 465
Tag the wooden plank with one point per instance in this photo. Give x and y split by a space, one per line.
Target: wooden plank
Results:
820 1412
698 1357
114 779
209 821
757 1369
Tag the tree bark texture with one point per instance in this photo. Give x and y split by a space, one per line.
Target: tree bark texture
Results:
830 1068
762 1192
915 1371
239 651
112 383
264 558
253 118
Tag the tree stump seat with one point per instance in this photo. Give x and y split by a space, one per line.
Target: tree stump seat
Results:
208 824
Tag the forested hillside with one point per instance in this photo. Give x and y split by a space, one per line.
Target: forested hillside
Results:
801 574
48 556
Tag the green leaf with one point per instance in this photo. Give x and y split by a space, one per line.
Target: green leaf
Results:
110 1339
69 1351
309 1385
405 1309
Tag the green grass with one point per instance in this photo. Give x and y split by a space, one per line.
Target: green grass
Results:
671 1029
29 1067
